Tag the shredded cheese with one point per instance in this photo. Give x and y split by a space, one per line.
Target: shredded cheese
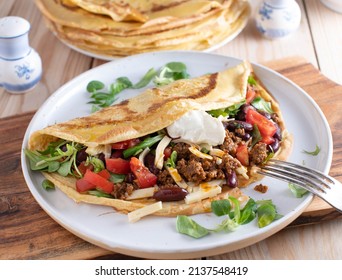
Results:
143 155
176 177
159 159
141 193
95 150
136 215
242 170
217 152
202 193
199 153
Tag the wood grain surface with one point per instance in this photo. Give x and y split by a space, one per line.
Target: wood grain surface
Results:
27 232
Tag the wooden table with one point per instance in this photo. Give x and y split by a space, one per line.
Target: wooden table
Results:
27 232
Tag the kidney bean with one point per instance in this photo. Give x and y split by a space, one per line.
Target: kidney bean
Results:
241 115
170 194
129 178
232 125
277 134
149 163
231 179
102 157
274 147
246 137
81 156
265 114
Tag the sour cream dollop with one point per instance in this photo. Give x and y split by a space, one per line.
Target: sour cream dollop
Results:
198 127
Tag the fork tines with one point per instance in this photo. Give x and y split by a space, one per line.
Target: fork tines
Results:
312 180
316 182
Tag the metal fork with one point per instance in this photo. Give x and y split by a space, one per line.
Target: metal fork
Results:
316 182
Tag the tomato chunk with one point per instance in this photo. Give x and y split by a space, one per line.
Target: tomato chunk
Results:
167 152
144 177
125 144
99 181
118 165
104 173
83 185
250 95
242 154
266 127
82 167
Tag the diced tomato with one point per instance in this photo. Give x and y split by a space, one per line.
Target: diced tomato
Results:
144 177
266 127
167 152
82 167
242 154
118 165
125 144
99 181
250 95
267 139
83 185
104 173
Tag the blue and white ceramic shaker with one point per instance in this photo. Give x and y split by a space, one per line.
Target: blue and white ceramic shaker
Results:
20 65
278 18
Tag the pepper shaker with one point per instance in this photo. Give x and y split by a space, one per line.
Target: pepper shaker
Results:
278 18
20 65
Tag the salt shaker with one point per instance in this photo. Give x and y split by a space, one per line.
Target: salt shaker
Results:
20 65
277 18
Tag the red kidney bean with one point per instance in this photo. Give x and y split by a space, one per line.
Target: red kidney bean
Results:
81 156
170 194
277 134
129 178
241 115
265 114
149 163
232 125
274 147
231 179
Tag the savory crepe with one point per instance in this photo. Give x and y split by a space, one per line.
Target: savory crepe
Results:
184 144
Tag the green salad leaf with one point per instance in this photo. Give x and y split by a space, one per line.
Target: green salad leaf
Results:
146 79
230 111
264 210
101 98
59 156
298 191
260 104
313 153
171 72
171 161
189 227
147 142
48 185
252 81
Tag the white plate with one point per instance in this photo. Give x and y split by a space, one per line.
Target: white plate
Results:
156 237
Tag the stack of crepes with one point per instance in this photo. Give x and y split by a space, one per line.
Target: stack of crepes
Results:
114 28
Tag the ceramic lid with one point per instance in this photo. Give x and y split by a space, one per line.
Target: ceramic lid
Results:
13 27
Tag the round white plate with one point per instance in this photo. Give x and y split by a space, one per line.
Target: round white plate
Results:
156 237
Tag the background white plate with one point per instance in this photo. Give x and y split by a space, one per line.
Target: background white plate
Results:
156 237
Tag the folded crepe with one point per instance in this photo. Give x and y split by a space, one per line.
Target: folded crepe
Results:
156 110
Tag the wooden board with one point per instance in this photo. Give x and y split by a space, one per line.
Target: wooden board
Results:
27 232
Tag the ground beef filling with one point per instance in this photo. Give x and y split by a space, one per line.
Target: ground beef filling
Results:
197 170
122 190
